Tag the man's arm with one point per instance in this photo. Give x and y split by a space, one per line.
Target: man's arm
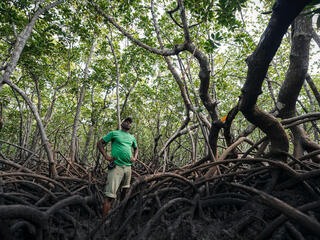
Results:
135 154
101 144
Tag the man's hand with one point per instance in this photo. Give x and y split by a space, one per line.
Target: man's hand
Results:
133 159
109 158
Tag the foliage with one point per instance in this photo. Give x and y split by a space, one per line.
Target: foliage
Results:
51 69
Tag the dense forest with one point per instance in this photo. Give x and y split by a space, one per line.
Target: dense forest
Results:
225 105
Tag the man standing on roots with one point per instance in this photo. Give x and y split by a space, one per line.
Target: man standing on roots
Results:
120 161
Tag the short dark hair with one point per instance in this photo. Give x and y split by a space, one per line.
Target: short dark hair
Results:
128 119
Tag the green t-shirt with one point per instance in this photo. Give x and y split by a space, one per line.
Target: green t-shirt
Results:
121 144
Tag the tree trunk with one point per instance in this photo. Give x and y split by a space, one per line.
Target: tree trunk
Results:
84 158
312 109
313 88
49 112
283 13
316 37
21 141
46 143
295 77
117 78
79 104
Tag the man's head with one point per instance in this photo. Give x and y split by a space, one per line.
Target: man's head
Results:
126 123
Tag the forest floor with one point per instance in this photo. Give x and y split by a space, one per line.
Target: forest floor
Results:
250 198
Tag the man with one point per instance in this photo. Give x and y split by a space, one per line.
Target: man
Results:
119 173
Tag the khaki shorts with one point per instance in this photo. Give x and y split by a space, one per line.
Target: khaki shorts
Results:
120 176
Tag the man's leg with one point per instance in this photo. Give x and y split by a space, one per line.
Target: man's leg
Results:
106 206
125 182
113 183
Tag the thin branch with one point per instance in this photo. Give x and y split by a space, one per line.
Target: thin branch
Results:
163 52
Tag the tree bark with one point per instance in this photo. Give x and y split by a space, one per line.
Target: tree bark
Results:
299 62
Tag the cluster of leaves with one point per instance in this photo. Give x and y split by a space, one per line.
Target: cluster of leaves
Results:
213 43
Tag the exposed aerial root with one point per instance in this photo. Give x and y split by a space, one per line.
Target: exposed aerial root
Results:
179 204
